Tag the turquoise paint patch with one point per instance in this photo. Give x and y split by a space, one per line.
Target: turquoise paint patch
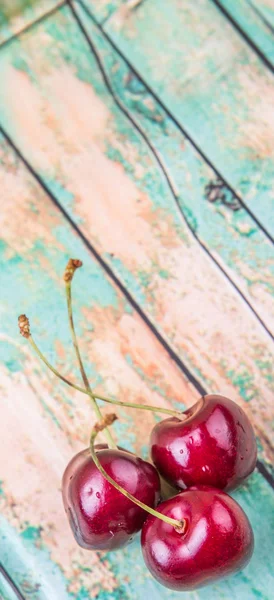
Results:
11 357
31 534
130 281
30 566
19 63
48 411
116 155
164 274
124 433
6 593
99 291
244 382
64 196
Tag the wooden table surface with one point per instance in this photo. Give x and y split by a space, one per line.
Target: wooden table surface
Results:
138 137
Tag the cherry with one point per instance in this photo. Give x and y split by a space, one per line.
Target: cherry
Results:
216 541
102 518
214 445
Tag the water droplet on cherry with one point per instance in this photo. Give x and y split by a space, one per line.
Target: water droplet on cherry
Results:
205 469
98 495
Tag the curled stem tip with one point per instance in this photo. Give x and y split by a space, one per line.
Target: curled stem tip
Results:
105 422
24 326
73 264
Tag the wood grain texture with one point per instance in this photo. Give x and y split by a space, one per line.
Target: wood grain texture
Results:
109 204
18 14
266 10
103 9
74 134
252 20
210 210
44 424
214 84
6 591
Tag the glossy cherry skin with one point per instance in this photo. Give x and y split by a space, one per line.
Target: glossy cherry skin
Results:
217 541
102 518
214 444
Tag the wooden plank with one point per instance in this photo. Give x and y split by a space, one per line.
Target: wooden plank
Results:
103 9
6 592
215 216
251 19
76 133
43 424
18 14
214 84
266 10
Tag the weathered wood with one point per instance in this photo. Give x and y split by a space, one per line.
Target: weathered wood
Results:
266 10
212 212
251 18
60 115
103 9
6 592
215 85
74 134
43 423
18 14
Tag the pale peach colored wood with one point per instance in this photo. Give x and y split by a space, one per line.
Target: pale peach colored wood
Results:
16 15
40 430
66 136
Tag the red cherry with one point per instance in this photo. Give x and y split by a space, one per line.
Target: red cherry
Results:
217 540
214 445
101 518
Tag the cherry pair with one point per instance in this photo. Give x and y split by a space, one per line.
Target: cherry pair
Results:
193 538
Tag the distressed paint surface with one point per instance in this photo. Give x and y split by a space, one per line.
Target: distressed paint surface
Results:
103 9
266 10
15 15
254 21
76 134
70 130
216 86
209 207
44 424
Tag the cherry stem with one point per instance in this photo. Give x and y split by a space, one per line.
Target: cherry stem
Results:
105 422
71 267
158 409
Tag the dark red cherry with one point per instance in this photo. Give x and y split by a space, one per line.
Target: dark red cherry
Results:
102 518
217 540
214 444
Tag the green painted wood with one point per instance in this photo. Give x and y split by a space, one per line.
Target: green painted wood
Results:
103 9
265 9
210 209
43 423
215 85
18 14
49 424
245 370
252 20
6 592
